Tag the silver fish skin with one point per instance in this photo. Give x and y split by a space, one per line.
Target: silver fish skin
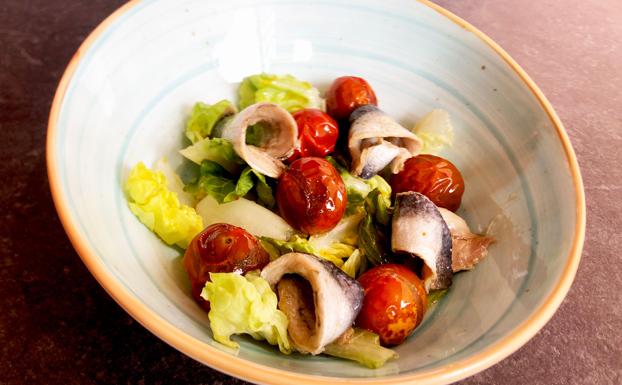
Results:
376 141
419 231
337 297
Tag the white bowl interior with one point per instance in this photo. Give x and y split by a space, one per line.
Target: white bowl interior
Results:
133 89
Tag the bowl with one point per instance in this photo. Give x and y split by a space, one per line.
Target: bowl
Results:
128 90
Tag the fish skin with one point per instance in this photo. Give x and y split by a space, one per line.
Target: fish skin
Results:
376 141
338 298
419 230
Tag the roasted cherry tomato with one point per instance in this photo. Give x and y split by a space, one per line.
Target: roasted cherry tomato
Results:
346 94
432 176
311 195
221 248
317 134
394 303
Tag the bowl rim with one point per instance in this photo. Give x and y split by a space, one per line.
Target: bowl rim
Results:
258 373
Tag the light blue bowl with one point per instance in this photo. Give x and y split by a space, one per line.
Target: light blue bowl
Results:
128 90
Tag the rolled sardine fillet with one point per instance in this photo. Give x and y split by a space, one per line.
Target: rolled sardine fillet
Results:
375 141
320 301
278 142
419 231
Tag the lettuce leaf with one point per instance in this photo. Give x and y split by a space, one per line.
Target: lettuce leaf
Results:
159 209
286 91
363 347
216 150
204 117
344 232
215 181
355 264
244 304
371 242
378 205
333 253
249 179
435 130
357 189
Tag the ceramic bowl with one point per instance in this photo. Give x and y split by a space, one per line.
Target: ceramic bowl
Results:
128 90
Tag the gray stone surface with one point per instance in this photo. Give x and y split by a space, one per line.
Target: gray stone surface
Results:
58 326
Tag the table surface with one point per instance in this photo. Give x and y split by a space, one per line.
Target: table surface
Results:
58 326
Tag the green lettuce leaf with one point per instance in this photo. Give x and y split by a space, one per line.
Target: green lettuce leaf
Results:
371 242
378 205
346 231
435 130
216 150
333 253
215 181
204 118
286 91
255 134
159 209
355 264
244 304
363 347
357 189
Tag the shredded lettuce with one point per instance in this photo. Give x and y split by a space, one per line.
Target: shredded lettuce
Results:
286 91
204 118
435 130
216 150
244 304
363 347
159 209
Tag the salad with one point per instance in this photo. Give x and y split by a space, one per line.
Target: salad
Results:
322 226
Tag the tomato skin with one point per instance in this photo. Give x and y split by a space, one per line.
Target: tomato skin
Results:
346 94
433 176
394 303
311 195
221 248
317 134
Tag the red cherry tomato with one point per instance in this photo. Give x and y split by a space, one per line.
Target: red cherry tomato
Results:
394 303
317 134
432 176
346 94
311 195
221 248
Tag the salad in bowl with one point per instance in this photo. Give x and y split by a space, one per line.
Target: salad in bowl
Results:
318 224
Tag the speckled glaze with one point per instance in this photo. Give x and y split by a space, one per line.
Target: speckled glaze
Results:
124 99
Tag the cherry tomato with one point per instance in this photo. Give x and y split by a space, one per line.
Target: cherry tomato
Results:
394 303
432 176
221 248
317 134
311 195
346 94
